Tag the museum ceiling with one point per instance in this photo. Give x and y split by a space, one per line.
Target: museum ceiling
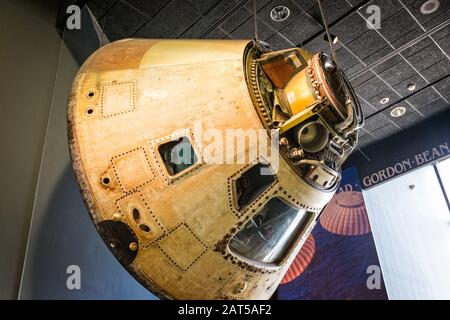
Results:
405 63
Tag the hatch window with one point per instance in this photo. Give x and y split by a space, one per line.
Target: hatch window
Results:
269 234
177 155
252 184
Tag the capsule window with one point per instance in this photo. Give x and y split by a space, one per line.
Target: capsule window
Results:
251 184
268 235
177 155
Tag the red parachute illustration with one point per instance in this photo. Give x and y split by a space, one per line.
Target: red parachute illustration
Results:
346 215
301 261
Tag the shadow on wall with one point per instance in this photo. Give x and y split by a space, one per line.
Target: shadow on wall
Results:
68 237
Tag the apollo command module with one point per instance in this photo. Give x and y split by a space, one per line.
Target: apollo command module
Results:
205 163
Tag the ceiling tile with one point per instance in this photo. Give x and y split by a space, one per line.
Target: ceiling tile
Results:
364 141
305 5
408 111
437 71
149 8
416 79
388 64
100 7
363 77
417 47
125 19
409 120
375 122
346 59
426 57
366 44
378 54
202 6
423 97
444 44
317 44
441 33
385 131
397 26
279 42
407 37
111 32
301 29
398 73
216 33
354 69
295 12
349 28
152 30
443 86
435 107
211 19
437 20
175 22
332 10
433 19
236 19
393 98
388 8
367 108
247 31
371 88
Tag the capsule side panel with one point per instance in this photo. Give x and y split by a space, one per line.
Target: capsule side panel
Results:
121 110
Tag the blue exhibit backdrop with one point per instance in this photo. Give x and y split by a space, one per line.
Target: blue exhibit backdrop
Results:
339 259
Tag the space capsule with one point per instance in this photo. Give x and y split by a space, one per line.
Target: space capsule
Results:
205 164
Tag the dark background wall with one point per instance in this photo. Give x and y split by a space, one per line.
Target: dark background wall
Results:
44 225
28 61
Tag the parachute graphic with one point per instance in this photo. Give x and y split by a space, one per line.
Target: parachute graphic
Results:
346 215
301 261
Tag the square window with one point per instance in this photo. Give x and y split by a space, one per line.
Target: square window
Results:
177 155
251 184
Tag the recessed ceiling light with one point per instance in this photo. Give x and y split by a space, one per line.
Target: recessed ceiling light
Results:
411 87
280 13
398 112
429 6
334 38
384 100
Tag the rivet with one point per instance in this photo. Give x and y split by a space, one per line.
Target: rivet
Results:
133 246
116 217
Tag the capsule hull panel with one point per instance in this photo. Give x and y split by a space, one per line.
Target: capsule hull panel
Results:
131 98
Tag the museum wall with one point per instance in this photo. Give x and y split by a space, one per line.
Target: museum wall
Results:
66 259
50 247
410 219
28 61
62 236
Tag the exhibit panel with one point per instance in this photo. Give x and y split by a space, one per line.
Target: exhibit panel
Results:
443 168
410 220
